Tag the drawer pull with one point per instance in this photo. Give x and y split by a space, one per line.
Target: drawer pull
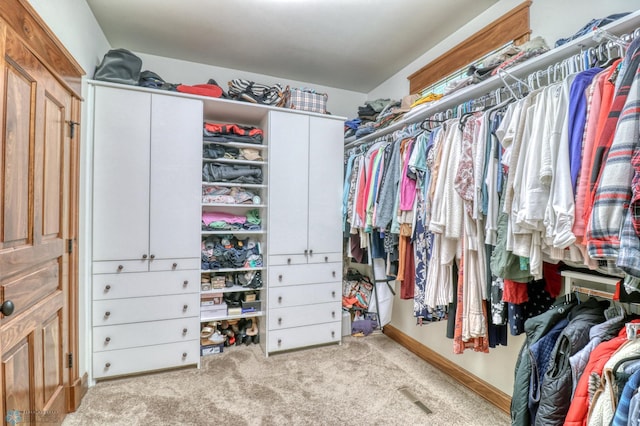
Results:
326 258
185 307
108 339
153 256
120 267
106 314
310 252
279 299
279 342
279 321
184 331
185 283
107 365
306 252
333 314
280 277
333 294
333 274
333 334
107 288
289 261
175 265
144 256
184 355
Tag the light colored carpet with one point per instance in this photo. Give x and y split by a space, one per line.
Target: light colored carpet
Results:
355 383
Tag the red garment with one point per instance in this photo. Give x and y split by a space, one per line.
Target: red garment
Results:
515 292
408 284
579 408
552 279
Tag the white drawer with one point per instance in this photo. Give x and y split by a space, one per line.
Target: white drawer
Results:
174 264
139 284
304 274
312 294
120 266
113 337
299 259
287 259
299 337
138 309
304 315
145 358
324 257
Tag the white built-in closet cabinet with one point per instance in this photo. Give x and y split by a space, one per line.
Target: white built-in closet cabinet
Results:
145 209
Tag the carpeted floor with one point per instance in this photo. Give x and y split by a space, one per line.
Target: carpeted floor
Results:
356 383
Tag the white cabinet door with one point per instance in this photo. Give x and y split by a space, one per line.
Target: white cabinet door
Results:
120 174
288 182
176 176
325 185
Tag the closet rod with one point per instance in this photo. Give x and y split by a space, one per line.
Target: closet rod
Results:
592 292
552 58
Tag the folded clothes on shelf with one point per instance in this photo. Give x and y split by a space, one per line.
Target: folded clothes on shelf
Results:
217 132
227 251
218 172
226 195
250 221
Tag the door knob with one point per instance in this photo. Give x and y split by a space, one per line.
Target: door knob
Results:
7 308
144 256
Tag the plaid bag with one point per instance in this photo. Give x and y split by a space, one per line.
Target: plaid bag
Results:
307 100
249 91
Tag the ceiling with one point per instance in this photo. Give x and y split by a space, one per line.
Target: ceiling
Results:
349 44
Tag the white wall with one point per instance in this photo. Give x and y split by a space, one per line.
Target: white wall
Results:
341 102
551 19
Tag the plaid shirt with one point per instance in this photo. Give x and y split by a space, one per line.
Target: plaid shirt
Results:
613 185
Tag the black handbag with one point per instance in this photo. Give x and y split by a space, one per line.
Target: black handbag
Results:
119 66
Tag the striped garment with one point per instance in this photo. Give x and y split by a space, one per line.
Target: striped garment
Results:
613 185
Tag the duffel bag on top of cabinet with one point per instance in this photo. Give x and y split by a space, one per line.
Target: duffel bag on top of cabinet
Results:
307 100
119 66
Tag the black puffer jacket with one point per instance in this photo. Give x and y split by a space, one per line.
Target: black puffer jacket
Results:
555 394
535 328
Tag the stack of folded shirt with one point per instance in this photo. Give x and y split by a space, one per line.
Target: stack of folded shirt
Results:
226 195
217 132
220 221
214 151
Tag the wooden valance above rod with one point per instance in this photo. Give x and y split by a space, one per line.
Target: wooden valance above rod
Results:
512 26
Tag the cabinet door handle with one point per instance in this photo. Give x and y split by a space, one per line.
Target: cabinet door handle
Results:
184 331
279 321
185 283
279 299
333 314
280 277
333 294
120 268
184 355
153 256
333 274
108 339
107 288
175 265
310 252
326 258
279 342
289 261
306 252
333 334
106 314
144 256
185 307
107 365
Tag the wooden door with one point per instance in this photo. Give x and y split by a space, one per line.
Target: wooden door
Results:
35 200
326 150
288 182
121 159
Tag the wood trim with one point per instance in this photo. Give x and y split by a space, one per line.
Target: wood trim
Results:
482 388
76 391
512 26
31 28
